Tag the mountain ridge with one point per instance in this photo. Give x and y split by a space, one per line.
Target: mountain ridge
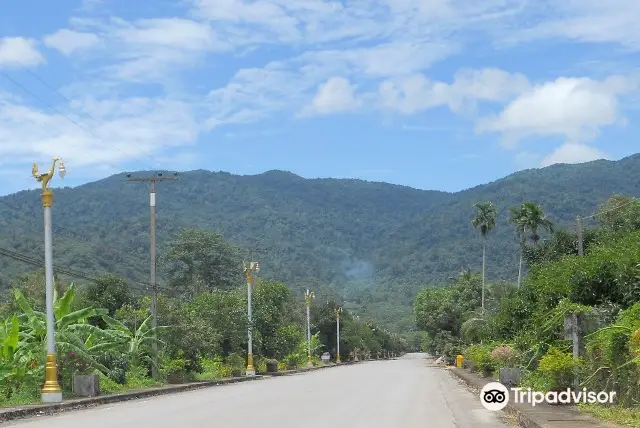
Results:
353 235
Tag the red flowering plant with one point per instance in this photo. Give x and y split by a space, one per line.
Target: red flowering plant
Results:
504 356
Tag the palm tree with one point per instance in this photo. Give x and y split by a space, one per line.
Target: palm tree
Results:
536 219
484 221
518 218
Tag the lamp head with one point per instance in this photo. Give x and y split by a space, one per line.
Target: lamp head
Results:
62 170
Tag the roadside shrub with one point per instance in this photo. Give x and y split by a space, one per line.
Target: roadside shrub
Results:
212 369
237 364
559 368
504 356
174 366
117 363
612 357
480 357
138 378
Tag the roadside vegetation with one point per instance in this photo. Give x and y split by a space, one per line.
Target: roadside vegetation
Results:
524 326
105 327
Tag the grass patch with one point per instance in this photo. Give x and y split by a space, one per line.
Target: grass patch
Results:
26 395
627 417
213 369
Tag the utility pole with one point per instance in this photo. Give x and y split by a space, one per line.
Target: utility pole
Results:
580 237
152 247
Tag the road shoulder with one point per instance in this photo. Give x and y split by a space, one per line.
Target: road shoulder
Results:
541 416
20 412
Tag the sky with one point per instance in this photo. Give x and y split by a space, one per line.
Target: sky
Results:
432 94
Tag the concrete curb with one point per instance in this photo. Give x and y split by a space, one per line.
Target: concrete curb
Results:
523 420
83 403
526 420
293 372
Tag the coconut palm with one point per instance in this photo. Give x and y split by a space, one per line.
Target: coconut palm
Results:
536 219
518 217
484 221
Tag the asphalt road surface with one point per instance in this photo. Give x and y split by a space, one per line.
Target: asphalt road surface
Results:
378 394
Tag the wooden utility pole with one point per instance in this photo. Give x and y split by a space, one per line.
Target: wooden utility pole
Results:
152 247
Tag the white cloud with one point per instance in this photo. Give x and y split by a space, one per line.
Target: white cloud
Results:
143 50
611 21
124 129
68 42
19 52
574 153
173 33
574 108
152 48
334 96
316 21
415 93
382 60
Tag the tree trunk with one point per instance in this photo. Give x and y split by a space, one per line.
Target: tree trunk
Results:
520 268
484 247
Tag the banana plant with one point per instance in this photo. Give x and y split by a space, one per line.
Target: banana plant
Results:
137 343
18 359
73 334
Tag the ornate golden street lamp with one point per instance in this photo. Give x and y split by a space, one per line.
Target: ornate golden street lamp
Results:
51 392
338 313
248 271
308 297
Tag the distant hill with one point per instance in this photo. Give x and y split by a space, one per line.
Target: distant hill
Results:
379 240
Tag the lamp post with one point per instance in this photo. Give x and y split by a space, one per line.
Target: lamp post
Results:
338 313
248 271
51 392
308 297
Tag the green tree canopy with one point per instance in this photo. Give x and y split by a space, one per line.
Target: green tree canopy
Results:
201 260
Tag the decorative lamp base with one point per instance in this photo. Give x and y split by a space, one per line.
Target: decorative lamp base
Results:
310 364
51 397
250 372
51 392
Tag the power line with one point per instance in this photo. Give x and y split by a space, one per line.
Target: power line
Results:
611 209
132 262
68 271
146 154
74 122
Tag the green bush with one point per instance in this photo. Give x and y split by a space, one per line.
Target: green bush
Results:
559 368
213 369
237 364
108 386
504 356
612 357
174 366
480 357
138 378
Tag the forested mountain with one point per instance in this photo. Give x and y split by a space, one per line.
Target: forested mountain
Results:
374 243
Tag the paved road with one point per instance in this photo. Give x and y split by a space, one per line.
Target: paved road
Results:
379 394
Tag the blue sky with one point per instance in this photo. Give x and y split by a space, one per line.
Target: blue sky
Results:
434 94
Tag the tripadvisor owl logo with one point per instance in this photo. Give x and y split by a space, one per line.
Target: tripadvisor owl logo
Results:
494 396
